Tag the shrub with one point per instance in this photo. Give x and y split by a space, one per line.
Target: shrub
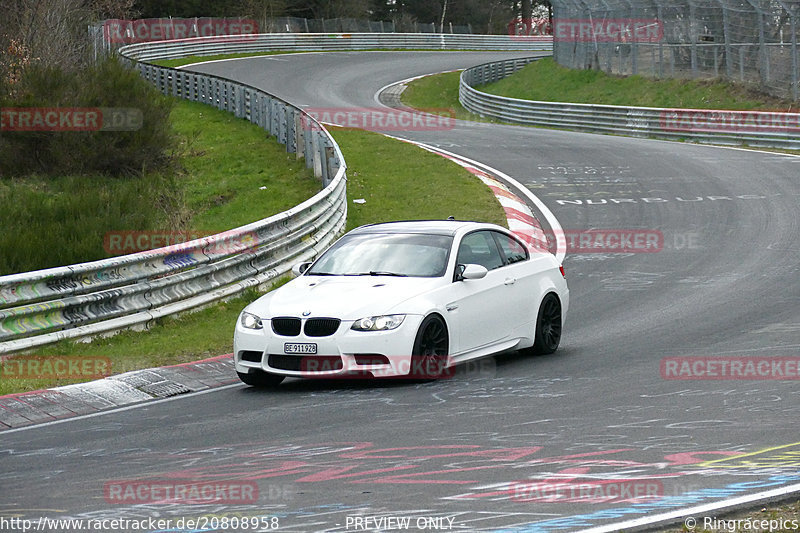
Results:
107 84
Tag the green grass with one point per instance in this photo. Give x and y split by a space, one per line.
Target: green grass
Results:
181 61
439 91
398 181
227 162
224 161
547 81
52 222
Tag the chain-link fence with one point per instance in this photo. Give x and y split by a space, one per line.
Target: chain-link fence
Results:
751 41
111 34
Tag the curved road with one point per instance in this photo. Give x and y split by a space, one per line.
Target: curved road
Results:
490 448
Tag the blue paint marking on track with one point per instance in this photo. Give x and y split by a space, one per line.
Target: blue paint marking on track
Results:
672 502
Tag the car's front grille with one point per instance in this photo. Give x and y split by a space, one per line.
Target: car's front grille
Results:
305 363
321 327
286 326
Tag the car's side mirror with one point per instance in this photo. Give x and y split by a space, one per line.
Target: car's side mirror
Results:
300 268
471 271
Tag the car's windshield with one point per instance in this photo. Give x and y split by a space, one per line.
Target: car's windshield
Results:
386 254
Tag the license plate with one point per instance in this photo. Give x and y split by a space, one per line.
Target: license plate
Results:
299 348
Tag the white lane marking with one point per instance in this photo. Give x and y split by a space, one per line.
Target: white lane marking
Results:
699 510
121 409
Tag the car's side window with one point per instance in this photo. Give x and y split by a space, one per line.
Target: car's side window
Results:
513 250
479 248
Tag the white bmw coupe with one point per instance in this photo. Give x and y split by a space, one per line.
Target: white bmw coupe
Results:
409 299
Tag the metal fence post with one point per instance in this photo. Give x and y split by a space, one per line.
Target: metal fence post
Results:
727 36
795 80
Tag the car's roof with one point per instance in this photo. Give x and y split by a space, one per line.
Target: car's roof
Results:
431 227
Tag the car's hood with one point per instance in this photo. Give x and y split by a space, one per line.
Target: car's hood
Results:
344 297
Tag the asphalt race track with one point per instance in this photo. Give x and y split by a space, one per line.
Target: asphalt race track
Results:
507 444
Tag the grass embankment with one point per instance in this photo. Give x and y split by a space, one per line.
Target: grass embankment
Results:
50 222
397 180
181 61
547 81
439 91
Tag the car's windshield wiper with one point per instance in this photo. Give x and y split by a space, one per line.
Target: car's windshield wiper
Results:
321 274
377 273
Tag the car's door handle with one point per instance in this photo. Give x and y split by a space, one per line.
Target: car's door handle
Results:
510 281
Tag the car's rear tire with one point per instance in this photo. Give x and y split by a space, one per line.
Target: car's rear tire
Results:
547 336
431 348
260 379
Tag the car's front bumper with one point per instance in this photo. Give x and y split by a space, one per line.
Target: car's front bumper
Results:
346 353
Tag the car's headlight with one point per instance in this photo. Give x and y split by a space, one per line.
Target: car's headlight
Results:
378 323
250 321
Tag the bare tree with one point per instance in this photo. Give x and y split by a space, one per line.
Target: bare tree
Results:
53 32
526 10
113 9
264 9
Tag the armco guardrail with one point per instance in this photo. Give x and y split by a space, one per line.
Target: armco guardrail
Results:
300 42
752 128
102 296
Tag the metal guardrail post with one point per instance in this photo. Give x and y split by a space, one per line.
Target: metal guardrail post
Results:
299 138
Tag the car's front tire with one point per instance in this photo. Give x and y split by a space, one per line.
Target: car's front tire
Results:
260 379
431 348
547 336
